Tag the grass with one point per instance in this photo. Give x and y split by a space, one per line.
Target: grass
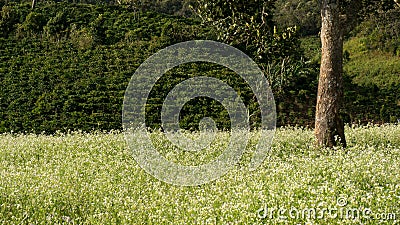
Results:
80 178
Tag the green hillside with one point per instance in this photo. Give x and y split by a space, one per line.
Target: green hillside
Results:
66 66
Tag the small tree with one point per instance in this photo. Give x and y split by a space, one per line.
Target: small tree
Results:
248 25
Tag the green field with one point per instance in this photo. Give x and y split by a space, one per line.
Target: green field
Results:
80 178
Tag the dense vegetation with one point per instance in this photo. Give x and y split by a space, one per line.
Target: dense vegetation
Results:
66 66
80 178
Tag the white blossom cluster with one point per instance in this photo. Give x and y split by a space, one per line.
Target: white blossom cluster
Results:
80 178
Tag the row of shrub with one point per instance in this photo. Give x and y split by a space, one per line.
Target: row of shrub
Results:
66 66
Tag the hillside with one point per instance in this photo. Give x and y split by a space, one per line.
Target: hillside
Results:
66 66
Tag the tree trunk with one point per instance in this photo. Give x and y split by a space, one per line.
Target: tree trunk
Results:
329 127
33 4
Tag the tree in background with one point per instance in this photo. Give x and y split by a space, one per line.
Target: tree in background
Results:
249 26
302 13
307 13
337 18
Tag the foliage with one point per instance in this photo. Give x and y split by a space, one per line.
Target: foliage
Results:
171 7
371 67
365 103
69 67
66 66
306 13
302 13
249 26
381 32
372 84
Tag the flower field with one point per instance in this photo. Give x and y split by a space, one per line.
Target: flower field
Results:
81 178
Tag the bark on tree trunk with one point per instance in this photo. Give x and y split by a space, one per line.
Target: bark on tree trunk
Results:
329 127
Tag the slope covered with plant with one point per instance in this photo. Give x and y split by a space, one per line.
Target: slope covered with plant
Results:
66 66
